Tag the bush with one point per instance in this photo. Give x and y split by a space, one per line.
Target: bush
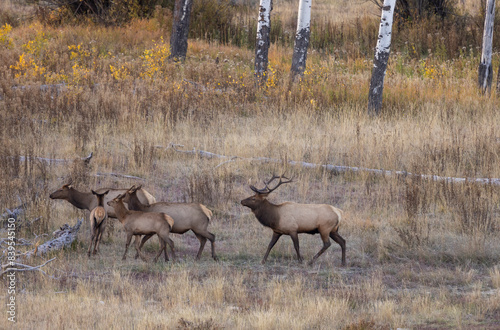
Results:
102 11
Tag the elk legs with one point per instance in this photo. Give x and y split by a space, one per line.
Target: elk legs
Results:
274 239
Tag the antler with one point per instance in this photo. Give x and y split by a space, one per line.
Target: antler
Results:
268 190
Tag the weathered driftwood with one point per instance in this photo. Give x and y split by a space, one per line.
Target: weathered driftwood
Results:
119 175
55 160
334 168
9 267
62 238
63 161
14 213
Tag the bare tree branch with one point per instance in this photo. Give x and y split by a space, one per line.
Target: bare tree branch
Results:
24 267
55 160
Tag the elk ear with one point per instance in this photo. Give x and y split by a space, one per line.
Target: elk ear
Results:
138 187
70 182
93 192
105 193
120 197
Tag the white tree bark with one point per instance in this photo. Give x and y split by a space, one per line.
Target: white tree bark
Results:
263 39
485 74
302 38
382 52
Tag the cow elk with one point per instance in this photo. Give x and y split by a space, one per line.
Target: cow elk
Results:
138 223
98 217
292 219
87 201
187 216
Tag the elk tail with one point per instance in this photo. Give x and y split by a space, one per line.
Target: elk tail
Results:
169 220
207 212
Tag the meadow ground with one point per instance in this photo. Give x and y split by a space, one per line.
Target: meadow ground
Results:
420 254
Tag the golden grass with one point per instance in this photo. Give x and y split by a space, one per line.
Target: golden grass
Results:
419 253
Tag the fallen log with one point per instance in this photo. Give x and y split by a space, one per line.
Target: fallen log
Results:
333 168
56 160
119 175
63 237
23 268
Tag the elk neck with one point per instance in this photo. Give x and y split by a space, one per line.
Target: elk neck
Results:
267 214
80 199
121 211
136 204
100 200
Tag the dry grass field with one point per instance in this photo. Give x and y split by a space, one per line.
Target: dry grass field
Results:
421 254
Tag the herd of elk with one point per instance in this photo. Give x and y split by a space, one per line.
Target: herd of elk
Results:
87 201
142 215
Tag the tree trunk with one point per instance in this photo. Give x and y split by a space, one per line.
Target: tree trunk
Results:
382 52
180 29
485 71
301 38
263 39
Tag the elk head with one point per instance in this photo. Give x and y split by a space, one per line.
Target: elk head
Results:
132 190
63 192
253 202
117 200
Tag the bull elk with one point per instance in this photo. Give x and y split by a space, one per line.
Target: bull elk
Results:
98 216
292 219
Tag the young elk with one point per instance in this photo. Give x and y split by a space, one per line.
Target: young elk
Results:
187 216
138 223
98 217
292 219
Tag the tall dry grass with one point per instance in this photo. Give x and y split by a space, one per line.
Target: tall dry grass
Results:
420 253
